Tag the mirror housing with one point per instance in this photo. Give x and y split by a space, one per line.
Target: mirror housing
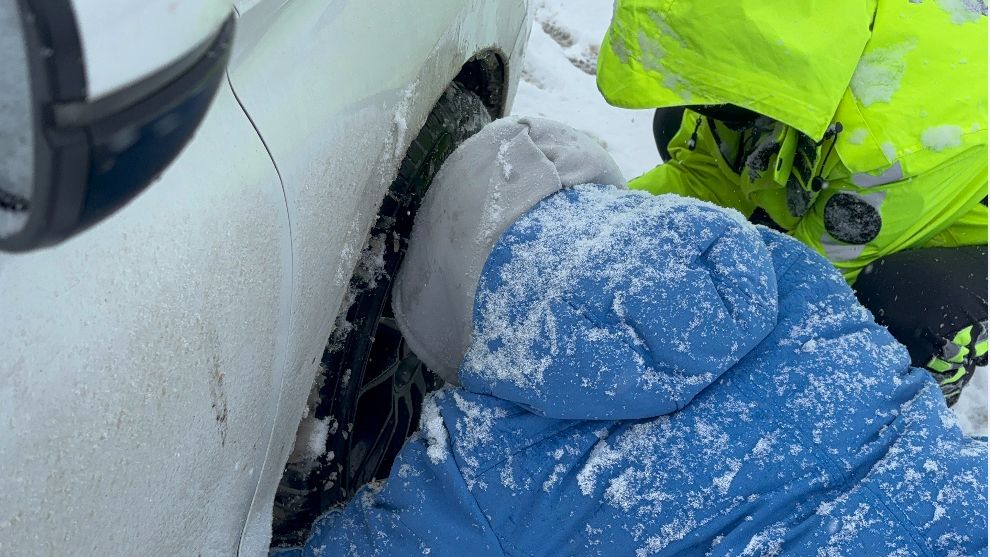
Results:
68 161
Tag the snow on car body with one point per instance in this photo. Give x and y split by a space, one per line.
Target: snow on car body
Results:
155 367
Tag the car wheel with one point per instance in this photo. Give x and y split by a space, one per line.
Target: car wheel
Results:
370 388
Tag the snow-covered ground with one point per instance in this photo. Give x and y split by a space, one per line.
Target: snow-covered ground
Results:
972 406
559 83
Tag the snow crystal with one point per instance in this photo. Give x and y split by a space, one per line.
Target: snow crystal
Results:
764 446
311 439
878 74
847 528
502 162
369 493
433 428
493 219
621 490
367 270
400 119
592 533
602 457
725 480
766 543
506 475
474 429
939 138
554 478
371 264
407 471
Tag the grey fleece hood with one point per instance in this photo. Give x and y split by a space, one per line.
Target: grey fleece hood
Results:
485 185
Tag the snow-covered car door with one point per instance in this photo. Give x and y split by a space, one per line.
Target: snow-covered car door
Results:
139 358
337 89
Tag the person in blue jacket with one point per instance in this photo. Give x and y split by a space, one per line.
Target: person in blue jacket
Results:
640 375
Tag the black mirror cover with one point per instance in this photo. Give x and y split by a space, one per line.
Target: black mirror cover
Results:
91 157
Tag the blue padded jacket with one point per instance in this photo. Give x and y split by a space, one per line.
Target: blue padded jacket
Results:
656 376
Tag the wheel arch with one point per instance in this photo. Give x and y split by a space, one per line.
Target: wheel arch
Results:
486 75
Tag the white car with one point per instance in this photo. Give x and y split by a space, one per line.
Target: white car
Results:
157 357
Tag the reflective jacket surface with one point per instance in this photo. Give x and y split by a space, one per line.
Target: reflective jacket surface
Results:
907 81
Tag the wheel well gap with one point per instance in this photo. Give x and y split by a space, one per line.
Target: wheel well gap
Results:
484 75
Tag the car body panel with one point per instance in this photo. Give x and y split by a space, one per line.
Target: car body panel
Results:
123 41
156 367
136 356
339 109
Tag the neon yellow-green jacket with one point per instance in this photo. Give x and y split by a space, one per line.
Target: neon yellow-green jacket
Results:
906 79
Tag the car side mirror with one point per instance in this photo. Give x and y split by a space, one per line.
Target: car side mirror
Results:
69 158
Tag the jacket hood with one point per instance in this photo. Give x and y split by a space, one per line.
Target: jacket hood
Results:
791 61
602 303
486 184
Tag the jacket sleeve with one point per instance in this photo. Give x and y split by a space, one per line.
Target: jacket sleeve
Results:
695 172
423 508
899 466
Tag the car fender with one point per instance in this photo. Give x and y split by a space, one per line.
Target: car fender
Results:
337 90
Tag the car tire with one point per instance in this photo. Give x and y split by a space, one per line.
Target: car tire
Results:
370 387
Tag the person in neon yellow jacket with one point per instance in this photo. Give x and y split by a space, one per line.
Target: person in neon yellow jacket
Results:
858 127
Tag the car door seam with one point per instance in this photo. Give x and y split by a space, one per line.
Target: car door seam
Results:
285 354
268 150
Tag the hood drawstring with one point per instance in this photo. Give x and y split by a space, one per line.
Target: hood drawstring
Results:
693 141
818 183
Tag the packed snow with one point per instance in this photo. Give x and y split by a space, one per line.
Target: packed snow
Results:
311 439
432 428
558 82
878 75
939 138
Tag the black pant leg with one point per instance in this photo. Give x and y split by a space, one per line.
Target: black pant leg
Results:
926 298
